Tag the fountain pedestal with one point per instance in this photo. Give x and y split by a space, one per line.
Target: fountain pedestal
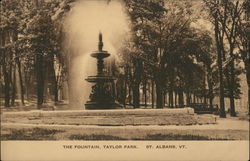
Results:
101 96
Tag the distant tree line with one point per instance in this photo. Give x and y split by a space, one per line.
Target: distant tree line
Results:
165 55
30 49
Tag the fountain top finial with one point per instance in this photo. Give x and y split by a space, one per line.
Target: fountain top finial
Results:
100 44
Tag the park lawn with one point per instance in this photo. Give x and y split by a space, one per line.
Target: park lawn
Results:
36 128
117 133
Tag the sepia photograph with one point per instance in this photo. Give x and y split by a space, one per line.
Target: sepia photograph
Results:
125 75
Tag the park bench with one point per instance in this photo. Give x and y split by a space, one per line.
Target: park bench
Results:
202 108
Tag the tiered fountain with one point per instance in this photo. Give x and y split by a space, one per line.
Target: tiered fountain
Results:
101 96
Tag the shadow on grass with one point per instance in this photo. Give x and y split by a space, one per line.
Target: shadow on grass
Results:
148 137
48 134
95 137
178 137
31 134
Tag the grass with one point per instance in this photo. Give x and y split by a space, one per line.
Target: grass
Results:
148 137
31 134
172 136
70 134
95 137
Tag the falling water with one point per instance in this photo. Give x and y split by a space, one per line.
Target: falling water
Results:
82 26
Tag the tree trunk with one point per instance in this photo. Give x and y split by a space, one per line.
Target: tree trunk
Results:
21 80
188 98
194 98
175 98
6 72
231 90
180 98
125 92
27 79
130 95
46 91
56 94
210 87
55 82
159 94
219 61
205 100
13 82
247 66
152 94
171 98
136 95
6 87
40 80
137 65
145 93
164 98
230 83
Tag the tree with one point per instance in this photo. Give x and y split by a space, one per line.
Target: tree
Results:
243 41
143 15
229 21
8 30
166 44
132 71
33 44
214 11
229 16
206 55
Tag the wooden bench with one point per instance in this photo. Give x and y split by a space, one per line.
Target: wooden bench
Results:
202 108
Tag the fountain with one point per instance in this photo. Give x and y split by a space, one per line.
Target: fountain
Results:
101 96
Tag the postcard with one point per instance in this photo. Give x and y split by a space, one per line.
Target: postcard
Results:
122 80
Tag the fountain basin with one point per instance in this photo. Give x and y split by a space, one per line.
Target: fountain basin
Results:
122 117
91 105
99 78
100 54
